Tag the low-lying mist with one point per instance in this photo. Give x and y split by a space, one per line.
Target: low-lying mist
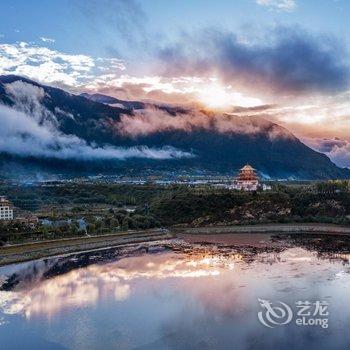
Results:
30 129
153 120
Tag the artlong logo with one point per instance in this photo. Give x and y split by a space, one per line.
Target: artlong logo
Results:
308 313
272 316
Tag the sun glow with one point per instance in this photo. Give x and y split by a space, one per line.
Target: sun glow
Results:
215 96
219 97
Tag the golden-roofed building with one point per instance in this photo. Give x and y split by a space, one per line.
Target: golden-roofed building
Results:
248 180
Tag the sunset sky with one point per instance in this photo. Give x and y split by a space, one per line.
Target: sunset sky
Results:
292 56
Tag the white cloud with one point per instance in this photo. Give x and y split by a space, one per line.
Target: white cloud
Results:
182 90
53 67
282 5
29 129
47 40
335 148
151 120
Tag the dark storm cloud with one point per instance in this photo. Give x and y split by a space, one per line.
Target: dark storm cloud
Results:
286 59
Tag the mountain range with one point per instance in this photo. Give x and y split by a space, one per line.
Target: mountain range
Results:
74 129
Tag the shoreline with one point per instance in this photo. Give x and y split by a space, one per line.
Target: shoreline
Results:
18 253
294 228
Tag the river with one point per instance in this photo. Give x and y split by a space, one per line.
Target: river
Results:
181 295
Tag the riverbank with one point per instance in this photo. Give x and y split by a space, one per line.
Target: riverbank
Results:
256 235
210 234
30 251
268 228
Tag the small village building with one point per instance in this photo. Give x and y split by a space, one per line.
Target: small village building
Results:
28 219
248 180
6 209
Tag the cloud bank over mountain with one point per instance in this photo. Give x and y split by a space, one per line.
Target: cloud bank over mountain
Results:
30 129
45 122
153 120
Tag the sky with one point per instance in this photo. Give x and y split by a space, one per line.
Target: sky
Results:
291 56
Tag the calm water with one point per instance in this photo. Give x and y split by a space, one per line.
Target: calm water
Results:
199 299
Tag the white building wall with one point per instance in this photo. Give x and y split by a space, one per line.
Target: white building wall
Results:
249 186
245 185
6 213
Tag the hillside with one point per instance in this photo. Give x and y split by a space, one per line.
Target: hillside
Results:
217 143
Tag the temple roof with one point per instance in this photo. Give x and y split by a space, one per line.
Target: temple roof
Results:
247 173
247 167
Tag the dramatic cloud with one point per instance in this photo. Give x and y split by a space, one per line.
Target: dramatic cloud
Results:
282 5
29 129
178 90
313 116
337 149
53 67
153 120
284 61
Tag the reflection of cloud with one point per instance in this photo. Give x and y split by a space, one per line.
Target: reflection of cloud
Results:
214 311
84 287
206 282
78 288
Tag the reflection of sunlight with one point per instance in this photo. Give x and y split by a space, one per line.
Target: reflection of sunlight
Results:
84 287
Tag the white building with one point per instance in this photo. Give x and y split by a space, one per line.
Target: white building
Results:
6 210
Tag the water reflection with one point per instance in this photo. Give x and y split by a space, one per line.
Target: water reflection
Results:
203 298
85 286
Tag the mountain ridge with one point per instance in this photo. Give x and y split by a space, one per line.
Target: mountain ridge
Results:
270 148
